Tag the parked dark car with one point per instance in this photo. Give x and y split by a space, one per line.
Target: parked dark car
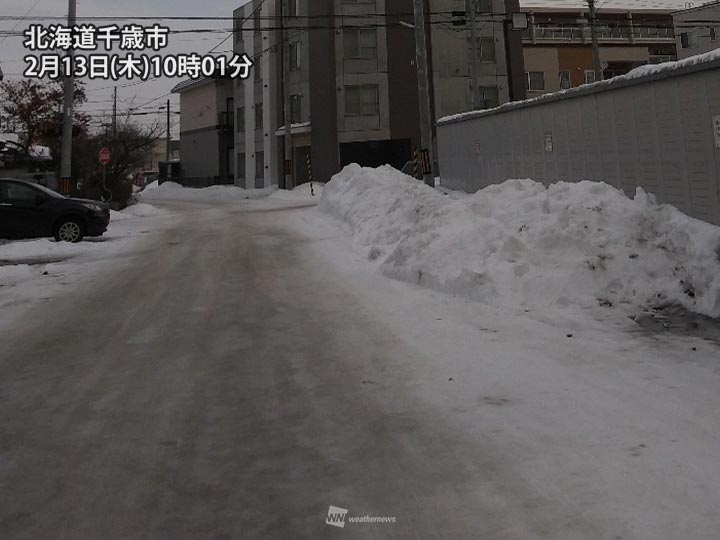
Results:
29 210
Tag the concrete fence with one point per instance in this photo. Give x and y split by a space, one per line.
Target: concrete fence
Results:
660 131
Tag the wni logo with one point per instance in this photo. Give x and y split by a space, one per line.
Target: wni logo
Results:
336 517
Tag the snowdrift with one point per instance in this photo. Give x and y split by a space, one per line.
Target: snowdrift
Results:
300 193
526 245
171 191
139 210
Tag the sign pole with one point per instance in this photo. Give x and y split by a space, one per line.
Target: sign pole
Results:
104 157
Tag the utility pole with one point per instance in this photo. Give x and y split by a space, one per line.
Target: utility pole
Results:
597 67
68 112
167 145
285 63
114 117
472 7
426 137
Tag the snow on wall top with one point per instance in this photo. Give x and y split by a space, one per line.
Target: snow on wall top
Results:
637 73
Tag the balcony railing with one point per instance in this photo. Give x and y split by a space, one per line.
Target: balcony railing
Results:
569 33
650 32
605 33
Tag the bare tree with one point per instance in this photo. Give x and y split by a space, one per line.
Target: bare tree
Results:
131 144
36 106
597 67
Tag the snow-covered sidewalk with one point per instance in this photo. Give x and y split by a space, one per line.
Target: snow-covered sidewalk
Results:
35 270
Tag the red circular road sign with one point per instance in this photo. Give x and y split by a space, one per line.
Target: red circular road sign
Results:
104 156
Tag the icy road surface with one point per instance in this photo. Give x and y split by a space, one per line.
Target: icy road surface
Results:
241 368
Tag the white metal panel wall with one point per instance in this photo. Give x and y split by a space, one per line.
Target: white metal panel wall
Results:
654 134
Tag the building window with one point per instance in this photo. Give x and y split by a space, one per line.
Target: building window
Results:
688 40
489 96
483 6
360 43
713 33
362 100
293 8
535 81
294 55
486 50
238 30
240 119
258 116
565 81
589 76
240 165
259 164
296 108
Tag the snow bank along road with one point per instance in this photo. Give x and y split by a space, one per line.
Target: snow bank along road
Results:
244 369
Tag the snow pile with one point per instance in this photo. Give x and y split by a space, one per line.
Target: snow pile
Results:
136 211
526 245
303 192
170 191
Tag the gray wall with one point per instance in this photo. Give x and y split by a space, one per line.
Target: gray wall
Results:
200 153
656 132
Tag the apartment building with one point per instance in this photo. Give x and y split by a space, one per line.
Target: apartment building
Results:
351 82
557 46
697 29
258 100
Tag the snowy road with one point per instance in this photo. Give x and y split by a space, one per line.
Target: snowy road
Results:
242 371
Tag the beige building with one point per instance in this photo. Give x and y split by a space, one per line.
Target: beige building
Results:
697 29
206 129
557 47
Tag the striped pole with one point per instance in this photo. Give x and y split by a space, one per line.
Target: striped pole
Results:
310 176
415 162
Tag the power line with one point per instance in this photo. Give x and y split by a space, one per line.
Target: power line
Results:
245 19
21 19
219 18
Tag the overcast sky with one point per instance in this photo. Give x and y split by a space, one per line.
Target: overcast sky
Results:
133 94
100 92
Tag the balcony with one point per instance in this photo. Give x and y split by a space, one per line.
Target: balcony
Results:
606 33
555 33
654 33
